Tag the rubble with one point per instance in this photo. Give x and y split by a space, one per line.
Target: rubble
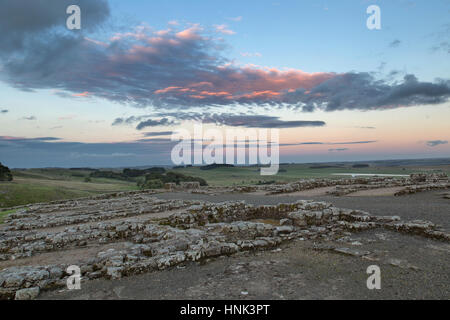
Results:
27 294
415 183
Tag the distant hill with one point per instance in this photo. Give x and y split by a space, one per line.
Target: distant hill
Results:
324 167
361 165
126 174
216 166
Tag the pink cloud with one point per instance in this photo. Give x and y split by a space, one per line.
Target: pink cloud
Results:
172 67
166 90
191 33
201 84
139 33
223 29
197 96
83 94
248 83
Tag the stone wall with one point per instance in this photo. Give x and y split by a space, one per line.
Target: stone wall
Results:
344 186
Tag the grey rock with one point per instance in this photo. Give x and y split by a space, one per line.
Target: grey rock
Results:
27 294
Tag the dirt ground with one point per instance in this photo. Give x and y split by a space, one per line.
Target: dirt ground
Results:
412 267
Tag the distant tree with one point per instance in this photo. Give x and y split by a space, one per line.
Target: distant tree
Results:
5 173
151 184
109 175
77 174
156 180
134 173
361 165
216 166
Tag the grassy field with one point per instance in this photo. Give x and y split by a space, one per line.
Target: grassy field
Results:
42 185
293 172
3 214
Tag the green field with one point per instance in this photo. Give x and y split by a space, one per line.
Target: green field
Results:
43 185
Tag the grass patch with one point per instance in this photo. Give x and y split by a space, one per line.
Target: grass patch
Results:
44 185
3 214
16 194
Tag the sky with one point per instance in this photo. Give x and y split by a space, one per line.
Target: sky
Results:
112 93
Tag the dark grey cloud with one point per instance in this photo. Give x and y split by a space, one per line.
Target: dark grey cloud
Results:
155 123
355 142
19 139
47 139
338 150
157 134
4 111
129 120
155 140
361 91
243 120
25 23
395 43
144 121
434 143
327 143
233 120
36 44
258 121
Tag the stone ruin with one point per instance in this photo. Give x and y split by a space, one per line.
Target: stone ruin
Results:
133 233
430 177
343 186
190 185
183 186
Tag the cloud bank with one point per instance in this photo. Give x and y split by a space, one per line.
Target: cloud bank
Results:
232 120
434 143
20 152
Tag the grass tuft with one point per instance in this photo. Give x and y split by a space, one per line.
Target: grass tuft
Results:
3 214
